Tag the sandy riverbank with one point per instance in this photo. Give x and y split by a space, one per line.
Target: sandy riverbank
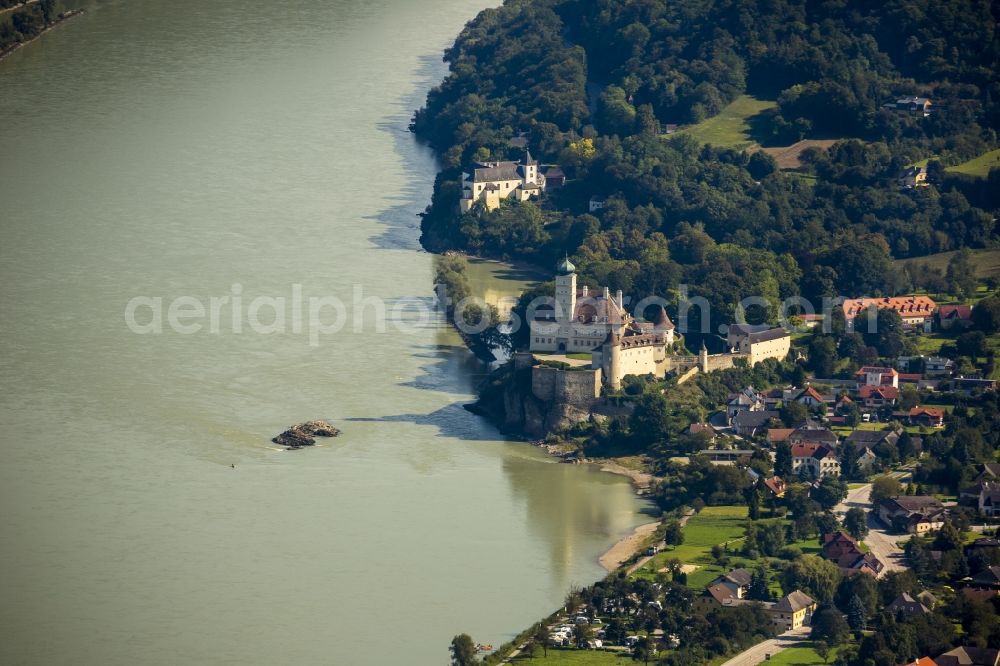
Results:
641 480
627 547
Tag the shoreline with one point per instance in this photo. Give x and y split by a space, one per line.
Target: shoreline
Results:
626 547
62 18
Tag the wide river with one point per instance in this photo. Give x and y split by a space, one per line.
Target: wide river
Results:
178 149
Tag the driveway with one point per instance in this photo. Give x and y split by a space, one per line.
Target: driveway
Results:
756 654
881 543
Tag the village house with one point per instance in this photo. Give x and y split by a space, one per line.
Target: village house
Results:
988 578
989 499
877 397
917 312
778 435
492 182
968 655
746 400
748 424
554 178
915 514
872 438
904 606
989 472
701 430
936 366
811 431
841 549
727 590
775 487
914 176
913 104
810 397
876 376
867 462
954 316
816 459
930 417
596 203
792 611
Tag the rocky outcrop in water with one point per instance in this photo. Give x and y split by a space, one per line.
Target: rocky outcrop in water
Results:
305 434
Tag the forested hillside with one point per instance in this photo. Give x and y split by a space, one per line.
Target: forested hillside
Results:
593 83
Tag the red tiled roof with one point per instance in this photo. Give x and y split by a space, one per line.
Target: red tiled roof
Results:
812 393
906 306
933 412
886 392
955 312
871 369
779 434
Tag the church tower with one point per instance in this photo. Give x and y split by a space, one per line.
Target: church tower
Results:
530 169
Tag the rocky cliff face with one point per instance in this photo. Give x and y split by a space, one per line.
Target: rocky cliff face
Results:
507 399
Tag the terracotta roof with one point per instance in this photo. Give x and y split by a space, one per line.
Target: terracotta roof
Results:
933 412
886 392
810 450
775 484
874 369
812 393
906 306
955 312
775 435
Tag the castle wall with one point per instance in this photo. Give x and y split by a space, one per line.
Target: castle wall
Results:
579 388
777 348
640 361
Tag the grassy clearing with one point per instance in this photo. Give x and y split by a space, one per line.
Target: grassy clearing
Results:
800 655
714 525
986 262
579 356
978 166
578 658
790 157
731 128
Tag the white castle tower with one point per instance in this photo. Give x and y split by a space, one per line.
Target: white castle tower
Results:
565 297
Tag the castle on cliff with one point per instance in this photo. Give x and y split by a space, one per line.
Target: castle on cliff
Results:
583 320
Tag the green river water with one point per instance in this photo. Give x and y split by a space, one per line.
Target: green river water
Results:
171 149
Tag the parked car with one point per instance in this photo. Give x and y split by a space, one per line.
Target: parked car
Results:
582 619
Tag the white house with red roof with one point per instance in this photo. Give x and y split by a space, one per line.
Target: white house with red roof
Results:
871 375
820 459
